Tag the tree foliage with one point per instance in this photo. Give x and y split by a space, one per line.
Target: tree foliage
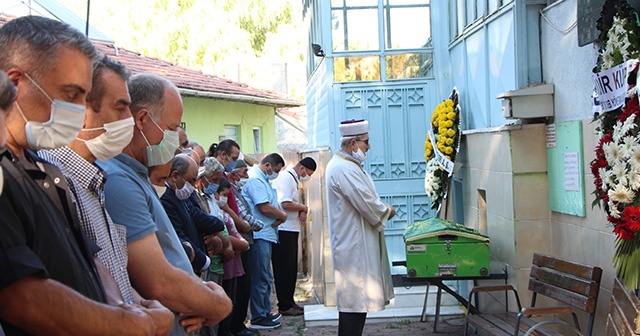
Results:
236 39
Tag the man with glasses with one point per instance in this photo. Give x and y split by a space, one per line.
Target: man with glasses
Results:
357 218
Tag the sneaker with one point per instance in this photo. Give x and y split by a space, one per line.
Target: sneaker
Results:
274 317
293 311
265 323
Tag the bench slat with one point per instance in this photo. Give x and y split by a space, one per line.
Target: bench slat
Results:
485 326
579 285
628 304
563 295
567 266
504 322
614 329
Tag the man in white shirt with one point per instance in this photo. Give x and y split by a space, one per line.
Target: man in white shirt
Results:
284 256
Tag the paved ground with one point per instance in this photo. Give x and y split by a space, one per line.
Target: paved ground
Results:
294 325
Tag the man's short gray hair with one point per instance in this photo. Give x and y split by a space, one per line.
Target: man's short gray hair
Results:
32 43
211 165
344 141
147 92
181 163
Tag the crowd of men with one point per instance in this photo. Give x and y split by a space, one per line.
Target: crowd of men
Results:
111 221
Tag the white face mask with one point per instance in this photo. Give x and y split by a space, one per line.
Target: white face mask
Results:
222 201
164 151
186 190
304 179
160 189
241 182
359 155
64 124
272 176
117 136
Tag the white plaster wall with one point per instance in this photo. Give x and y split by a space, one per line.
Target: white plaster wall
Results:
565 64
589 239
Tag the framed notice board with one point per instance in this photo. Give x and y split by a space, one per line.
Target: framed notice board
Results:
566 169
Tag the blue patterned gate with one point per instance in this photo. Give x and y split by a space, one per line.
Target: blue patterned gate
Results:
398 117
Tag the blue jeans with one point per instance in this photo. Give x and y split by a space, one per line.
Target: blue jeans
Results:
261 278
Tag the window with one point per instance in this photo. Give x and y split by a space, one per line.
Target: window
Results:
375 40
256 140
230 132
465 12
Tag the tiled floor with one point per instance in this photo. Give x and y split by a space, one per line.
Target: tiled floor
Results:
401 318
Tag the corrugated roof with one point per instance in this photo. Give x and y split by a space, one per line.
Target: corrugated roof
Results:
192 82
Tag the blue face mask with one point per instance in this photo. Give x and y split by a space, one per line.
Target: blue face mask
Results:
211 189
230 167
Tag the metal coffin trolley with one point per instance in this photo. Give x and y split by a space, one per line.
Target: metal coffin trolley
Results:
438 250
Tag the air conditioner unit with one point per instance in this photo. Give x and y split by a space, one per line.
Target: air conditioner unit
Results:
528 103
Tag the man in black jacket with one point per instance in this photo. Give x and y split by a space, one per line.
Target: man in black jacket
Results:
190 222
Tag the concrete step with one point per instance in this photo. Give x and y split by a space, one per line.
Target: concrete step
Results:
407 306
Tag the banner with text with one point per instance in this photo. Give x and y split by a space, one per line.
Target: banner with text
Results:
440 158
611 86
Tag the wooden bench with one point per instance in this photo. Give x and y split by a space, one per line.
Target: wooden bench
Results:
624 312
571 283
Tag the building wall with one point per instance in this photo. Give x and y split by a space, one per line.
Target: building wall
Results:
205 120
321 124
505 196
504 179
568 66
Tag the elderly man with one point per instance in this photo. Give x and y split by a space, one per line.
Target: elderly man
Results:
285 252
357 218
198 150
183 138
48 281
263 201
108 129
157 264
189 221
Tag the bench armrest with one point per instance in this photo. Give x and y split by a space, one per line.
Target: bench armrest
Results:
499 288
485 289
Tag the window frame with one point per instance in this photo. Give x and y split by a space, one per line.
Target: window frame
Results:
384 8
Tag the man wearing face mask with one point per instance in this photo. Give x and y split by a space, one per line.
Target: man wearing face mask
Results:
357 218
108 129
263 201
48 280
227 153
285 252
158 265
189 221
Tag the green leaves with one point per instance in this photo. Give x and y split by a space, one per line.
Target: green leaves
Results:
626 261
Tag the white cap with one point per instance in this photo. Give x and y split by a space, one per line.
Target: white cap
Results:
353 127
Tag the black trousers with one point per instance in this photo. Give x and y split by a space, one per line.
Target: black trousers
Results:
284 259
243 294
229 287
351 324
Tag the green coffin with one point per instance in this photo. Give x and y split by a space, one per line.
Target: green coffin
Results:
437 247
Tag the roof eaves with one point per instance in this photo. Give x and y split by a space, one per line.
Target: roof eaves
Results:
241 98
